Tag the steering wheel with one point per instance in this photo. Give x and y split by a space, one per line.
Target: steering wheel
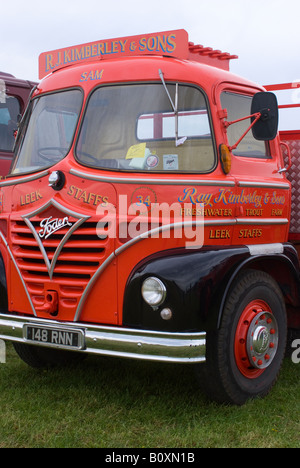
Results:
83 153
105 163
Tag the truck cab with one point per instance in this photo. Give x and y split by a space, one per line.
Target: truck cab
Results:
14 94
146 215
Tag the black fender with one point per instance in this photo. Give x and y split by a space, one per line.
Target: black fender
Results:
198 282
195 281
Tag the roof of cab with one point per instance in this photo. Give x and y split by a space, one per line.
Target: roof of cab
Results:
139 69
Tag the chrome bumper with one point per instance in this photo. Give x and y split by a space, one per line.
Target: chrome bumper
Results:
115 341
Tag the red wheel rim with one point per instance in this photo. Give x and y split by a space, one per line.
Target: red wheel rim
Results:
256 339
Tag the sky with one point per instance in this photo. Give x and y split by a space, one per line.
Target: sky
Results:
265 34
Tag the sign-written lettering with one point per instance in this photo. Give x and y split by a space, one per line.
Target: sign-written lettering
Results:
228 197
30 197
171 43
89 198
91 75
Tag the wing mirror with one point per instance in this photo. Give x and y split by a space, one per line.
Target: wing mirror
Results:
266 127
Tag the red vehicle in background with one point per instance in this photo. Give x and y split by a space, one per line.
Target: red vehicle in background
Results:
14 94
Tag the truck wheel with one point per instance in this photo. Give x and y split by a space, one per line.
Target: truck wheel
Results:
244 356
41 358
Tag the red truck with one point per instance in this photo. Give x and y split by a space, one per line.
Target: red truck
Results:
147 215
14 95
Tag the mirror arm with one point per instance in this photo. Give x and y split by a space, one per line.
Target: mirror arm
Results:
257 116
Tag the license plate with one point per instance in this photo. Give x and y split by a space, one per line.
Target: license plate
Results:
57 337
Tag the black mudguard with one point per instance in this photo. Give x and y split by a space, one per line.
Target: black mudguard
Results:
195 283
198 281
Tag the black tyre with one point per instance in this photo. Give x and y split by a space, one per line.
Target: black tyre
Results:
41 358
244 356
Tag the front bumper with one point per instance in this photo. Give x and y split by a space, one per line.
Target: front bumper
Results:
114 341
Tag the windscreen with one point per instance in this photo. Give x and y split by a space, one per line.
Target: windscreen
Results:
48 131
134 128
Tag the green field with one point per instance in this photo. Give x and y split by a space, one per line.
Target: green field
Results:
115 403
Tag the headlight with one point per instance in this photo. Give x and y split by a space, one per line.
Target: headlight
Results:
153 291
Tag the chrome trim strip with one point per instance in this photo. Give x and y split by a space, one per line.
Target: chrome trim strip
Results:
220 222
278 185
19 273
151 233
265 249
57 205
151 181
145 235
8 182
262 221
90 284
117 341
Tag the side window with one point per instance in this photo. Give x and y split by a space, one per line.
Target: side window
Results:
9 111
239 106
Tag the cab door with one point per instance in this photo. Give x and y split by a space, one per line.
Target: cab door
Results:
262 191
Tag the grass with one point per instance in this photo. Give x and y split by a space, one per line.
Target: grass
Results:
115 403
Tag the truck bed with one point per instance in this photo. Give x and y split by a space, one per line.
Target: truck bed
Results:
292 138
